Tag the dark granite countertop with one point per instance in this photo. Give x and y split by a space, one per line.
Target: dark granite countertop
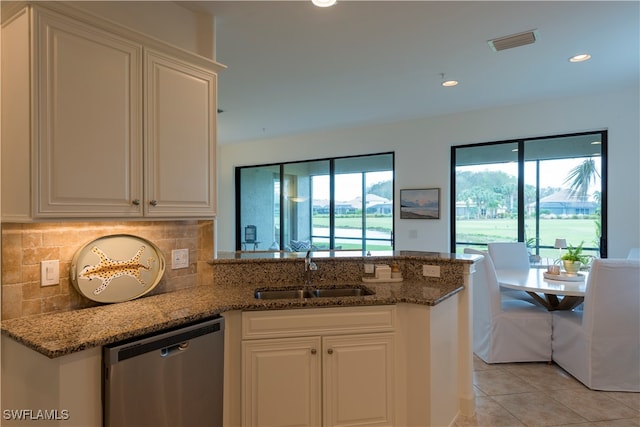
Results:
59 334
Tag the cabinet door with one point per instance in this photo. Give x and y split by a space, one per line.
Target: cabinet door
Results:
88 140
359 380
281 382
180 131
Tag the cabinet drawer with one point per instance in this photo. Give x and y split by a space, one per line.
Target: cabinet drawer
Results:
325 321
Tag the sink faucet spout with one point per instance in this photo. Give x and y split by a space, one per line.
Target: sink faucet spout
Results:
309 266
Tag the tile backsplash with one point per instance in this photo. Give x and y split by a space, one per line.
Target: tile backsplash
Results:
25 245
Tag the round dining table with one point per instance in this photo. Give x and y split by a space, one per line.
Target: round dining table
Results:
559 292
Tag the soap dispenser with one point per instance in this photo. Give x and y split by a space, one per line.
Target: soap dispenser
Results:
395 271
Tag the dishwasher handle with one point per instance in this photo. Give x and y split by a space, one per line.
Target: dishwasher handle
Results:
174 349
165 342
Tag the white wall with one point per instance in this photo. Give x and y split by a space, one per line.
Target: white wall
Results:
422 150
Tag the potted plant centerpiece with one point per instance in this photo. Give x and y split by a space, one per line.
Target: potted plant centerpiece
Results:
573 259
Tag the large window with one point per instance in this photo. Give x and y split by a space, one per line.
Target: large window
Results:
534 190
342 203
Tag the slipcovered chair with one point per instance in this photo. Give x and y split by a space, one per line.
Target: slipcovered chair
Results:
600 345
505 329
511 256
634 253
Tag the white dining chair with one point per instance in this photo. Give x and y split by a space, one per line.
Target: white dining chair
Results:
600 344
505 329
509 255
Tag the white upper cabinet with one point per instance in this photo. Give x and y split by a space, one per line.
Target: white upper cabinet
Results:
180 132
103 127
89 125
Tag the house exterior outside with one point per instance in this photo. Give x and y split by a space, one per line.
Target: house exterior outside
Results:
374 205
563 203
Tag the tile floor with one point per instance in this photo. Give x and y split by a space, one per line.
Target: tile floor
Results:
542 394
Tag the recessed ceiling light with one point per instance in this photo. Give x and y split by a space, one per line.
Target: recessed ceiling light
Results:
580 58
323 3
448 83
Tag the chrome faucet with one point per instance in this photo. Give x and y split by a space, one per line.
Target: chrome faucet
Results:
309 266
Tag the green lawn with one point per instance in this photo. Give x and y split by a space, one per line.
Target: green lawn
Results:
486 230
483 231
492 230
382 223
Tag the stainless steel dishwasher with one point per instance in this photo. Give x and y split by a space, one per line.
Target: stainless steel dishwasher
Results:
173 378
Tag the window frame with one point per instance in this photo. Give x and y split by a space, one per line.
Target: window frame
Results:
521 185
332 202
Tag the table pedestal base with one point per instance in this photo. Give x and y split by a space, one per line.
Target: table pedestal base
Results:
551 302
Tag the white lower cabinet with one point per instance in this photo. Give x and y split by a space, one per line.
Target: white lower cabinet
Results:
325 379
282 382
358 380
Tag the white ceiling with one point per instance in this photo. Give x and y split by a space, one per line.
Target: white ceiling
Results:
295 68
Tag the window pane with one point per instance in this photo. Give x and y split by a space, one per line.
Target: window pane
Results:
567 205
260 207
379 210
486 194
364 202
298 201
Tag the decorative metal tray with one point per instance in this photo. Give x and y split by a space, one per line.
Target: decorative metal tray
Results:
116 268
564 277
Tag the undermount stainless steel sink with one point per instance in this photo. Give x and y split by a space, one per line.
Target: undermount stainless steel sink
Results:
341 292
302 293
283 293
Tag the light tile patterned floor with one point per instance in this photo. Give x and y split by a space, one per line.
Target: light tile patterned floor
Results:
542 394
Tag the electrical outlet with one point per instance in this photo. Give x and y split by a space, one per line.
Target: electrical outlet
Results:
431 270
179 258
49 272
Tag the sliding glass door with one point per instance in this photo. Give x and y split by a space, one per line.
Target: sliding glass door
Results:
341 203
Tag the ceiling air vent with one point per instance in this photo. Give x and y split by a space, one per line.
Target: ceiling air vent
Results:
514 40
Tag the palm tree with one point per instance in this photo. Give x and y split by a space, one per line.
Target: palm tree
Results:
580 177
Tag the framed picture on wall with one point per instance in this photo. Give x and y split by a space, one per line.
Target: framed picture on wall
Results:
420 204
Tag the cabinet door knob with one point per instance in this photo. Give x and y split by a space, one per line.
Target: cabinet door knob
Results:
330 351
313 351
136 202
153 203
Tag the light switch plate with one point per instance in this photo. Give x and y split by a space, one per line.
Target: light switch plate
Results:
49 272
179 258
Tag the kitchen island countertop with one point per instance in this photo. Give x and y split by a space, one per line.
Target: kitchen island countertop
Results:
59 334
